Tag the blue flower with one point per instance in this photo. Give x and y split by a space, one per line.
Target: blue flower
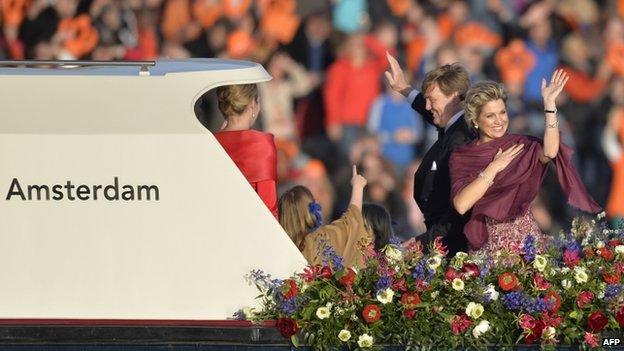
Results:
422 271
528 248
290 306
383 283
329 254
612 291
515 301
395 240
315 209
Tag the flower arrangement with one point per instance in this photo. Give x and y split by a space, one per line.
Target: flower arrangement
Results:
566 294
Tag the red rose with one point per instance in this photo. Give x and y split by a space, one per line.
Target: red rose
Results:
451 273
555 300
596 322
606 254
552 319
507 281
348 278
287 327
535 333
410 300
470 270
289 288
584 299
326 272
409 313
611 278
527 321
371 313
619 316
615 242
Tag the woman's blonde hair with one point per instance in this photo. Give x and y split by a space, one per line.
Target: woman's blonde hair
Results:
234 99
479 95
294 213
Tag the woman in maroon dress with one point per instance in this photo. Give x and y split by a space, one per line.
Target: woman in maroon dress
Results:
252 151
499 174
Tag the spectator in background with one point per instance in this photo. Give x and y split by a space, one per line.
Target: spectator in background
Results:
290 80
398 127
353 82
613 145
252 151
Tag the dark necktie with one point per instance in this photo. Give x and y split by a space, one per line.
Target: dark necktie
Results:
440 133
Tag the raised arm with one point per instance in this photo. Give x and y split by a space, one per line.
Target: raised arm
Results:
358 183
473 192
397 81
551 131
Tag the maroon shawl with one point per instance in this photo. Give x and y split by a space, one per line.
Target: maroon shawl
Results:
514 187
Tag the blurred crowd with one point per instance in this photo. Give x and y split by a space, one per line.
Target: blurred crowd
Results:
328 105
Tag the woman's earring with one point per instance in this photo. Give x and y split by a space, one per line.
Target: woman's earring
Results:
476 126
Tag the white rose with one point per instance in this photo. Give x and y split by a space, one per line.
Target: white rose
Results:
480 328
344 335
540 262
474 310
492 292
566 284
549 333
249 312
385 296
322 312
393 254
619 249
580 275
457 284
434 262
365 340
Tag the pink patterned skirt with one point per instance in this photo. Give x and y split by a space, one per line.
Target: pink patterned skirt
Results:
508 236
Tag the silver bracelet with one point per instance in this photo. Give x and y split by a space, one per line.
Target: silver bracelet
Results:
552 125
486 178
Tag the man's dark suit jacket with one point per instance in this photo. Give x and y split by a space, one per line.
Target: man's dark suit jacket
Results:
432 187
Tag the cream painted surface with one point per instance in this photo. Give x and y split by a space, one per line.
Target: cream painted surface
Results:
182 257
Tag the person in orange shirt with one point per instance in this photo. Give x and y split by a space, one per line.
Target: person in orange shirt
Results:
252 151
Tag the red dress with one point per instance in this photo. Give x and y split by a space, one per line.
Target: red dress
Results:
255 155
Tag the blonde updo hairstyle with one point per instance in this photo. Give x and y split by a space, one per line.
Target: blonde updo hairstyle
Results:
294 214
480 94
234 99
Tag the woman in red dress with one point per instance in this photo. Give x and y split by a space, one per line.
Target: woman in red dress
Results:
252 151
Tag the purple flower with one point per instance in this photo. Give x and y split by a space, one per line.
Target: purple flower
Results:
290 306
383 283
539 305
315 209
528 248
515 300
329 254
422 271
573 246
395 240
612 291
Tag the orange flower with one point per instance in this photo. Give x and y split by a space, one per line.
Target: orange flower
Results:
371 313
507 281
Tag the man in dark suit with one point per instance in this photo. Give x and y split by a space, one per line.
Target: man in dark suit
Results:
440 104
